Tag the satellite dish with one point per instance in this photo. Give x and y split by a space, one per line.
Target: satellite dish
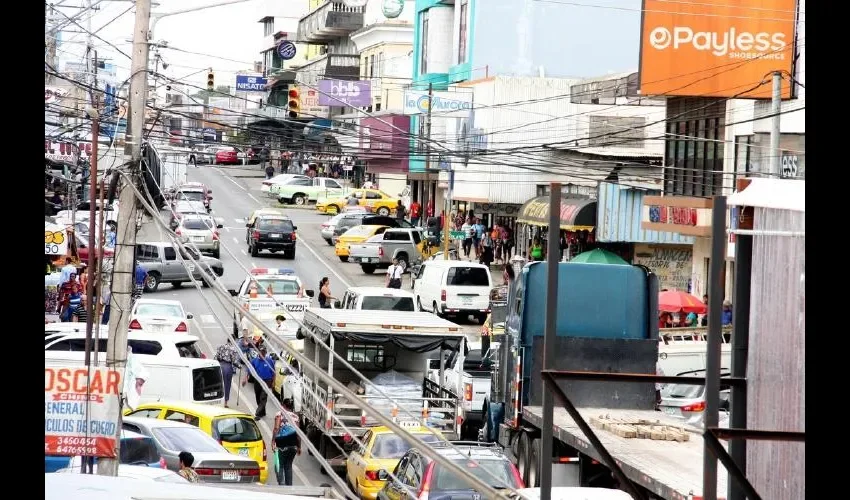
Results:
392 8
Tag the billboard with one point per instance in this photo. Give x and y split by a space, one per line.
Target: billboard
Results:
453 104
721 49
248 83
354 93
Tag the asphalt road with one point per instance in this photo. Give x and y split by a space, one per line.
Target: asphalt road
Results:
236 193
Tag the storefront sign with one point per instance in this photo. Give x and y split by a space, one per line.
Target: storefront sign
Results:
55 240
451 104
677 214
81 411
577 214
672 264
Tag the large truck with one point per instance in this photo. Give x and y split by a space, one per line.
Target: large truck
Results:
392 352
606 322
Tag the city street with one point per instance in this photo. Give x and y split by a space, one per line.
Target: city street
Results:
236 193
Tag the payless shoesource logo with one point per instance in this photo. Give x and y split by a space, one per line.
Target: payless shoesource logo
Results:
731 43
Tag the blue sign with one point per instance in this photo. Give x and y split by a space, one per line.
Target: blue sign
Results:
209 132
286 50
246 83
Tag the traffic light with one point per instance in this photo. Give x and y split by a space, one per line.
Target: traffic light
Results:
210 81
294 103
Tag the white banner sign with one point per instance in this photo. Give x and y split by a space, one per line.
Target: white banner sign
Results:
453 104
81 411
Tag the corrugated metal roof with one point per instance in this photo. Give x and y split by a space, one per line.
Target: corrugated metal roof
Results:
618 217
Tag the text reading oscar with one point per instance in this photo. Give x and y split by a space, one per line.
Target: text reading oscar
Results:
81 411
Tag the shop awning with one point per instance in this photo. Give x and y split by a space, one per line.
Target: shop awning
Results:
577 214
779 194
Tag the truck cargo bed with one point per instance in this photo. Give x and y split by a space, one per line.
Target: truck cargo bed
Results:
669 469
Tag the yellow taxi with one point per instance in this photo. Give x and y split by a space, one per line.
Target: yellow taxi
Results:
378 202
355 235
367 469
235 430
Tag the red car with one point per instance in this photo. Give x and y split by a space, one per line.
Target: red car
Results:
228 156
83 250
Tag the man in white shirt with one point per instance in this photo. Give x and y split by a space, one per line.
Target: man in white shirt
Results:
394 273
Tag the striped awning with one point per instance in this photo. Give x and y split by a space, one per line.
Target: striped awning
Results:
577 214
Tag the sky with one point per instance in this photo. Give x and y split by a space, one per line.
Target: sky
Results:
227 38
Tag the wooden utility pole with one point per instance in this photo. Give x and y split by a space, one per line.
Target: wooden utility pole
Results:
123 273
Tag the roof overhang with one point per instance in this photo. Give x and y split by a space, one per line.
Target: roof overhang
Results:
778 194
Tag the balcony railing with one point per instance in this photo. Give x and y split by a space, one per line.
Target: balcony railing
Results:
339 66
329 21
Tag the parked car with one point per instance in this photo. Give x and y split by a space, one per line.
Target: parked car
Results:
299 191
160 260
159 316
203 155
83 248
454 288
268 184
166 345
271 232
135 449
213 463
328 227
378 202
687 402
202 232
135 472
418 473
229 156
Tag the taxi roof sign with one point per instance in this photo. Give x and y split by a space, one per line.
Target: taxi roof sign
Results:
257 271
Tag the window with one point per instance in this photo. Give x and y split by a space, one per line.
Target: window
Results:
694 157
207 383
370 195
280 286
397 236
467 276
147 347
178 416
198 224
268 27
364 354
423 65
461 47
619 131
417 237
236 430
167 310
332 184
147 252
300 182
393 446
138 451
377 107
371 66
379 66
281 225
170 254
187 350
148 413
387 303
493 472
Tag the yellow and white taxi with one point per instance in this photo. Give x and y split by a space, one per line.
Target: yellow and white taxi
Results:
367 468
376 201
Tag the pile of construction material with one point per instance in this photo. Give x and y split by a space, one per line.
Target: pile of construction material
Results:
640 429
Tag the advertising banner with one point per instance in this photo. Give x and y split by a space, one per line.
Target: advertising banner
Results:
55 239
713 49
453 104
81 411
354 93
247 83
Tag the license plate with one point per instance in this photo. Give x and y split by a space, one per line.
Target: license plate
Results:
467 301
275 235
243 452
199 239
190 268
155 328
230 475
670 411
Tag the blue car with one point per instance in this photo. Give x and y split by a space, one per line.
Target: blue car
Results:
136 449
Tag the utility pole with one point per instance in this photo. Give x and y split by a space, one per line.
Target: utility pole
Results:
123 268
427 192
448 211
775 110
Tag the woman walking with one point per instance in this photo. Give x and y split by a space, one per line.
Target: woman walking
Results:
228 358
287 444
325 297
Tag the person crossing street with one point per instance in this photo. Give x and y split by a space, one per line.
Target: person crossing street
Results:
265 371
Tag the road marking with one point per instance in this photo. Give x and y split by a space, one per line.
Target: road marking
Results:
207 318
240 220
243 252
325 263
254 266
239 186
235 240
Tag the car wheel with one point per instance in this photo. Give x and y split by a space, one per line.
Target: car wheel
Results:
299 199
330 242
436 309
343 258
152 282
254 250
332 209
216 253
383 211
368 268
177 284
289 254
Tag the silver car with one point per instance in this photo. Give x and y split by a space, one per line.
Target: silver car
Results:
329 226
201 231
213 463
687 402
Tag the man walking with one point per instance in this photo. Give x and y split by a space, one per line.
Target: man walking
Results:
415 213
265 371
394 273
287 444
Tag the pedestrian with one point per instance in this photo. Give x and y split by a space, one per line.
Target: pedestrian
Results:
141 275
325 297
265 377
394 273
400 212
80 314
536 253
726 315
105 299
228 358
246 343
468 237
486 248
507 243
269 171
279 327
287 443
186 471
479 233
264 157
352 201
285 162
415 213
67 271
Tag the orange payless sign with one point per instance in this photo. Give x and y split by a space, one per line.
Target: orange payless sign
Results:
716 48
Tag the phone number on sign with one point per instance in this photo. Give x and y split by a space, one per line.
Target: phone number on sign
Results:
76 441
76 450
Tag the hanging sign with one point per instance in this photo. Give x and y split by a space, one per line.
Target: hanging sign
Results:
392 8
286 50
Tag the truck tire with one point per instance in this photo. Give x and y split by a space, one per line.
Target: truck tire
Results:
299 199
368 268
523 454
152 282
532 477
383 211
343 258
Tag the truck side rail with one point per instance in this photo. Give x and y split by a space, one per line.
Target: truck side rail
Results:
431 389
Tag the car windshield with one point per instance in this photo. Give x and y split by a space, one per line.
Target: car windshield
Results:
189 439
237 430
167 310
467 276
279 287
199 224
191 195
496 473
282 225
682 391
333 221
393 446
387 303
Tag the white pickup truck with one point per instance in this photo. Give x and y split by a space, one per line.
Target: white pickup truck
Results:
470 383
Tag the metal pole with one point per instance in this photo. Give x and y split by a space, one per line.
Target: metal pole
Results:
712 365
775 109
549 334
448 211
426 194
122 278
740 346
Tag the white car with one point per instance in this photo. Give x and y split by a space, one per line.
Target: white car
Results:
159 316
146 344
127 471
279 179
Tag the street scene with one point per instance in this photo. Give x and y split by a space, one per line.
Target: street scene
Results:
362 256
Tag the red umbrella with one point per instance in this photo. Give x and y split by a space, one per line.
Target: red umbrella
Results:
674 301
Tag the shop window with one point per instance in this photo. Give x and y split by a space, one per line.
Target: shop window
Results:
462 35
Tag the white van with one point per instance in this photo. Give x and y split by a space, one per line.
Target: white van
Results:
453 288
180 379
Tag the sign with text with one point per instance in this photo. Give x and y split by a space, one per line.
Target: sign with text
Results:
453 104
672 264
81 408
354 93
677 214
247 83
